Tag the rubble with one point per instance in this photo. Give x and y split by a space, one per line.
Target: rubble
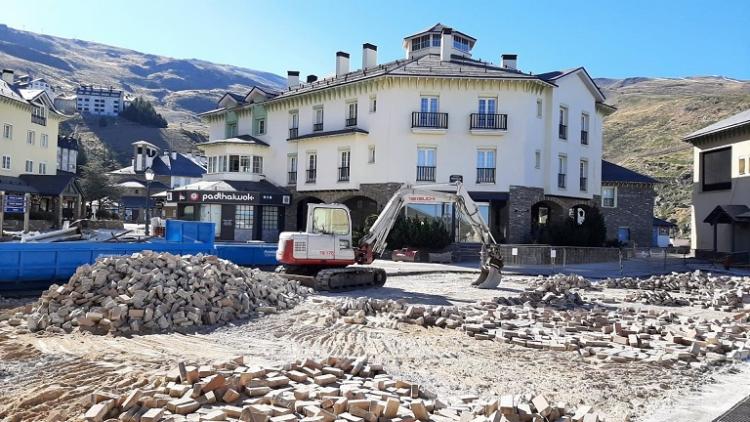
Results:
656 297
353 391
150 292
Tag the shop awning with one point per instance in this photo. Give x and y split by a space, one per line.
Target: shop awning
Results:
231 192
489 196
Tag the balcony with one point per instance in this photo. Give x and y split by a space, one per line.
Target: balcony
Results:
291 178
561 180
40 120
485 175
318 127
343 174
584 184
492 124
584 137
351 121
311 175
293 132
425 173
429 122
562 131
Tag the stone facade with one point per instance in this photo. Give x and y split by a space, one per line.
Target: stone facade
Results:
634 210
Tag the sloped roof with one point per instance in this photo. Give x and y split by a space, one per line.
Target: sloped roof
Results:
438 27
658 222
240 139
260 186
730 213
339 132
14 184
731 122
181 165
47 184
588 80
611 172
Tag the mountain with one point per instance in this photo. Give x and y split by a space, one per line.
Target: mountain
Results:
645 133
179 88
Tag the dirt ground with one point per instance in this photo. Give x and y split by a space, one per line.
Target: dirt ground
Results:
49 376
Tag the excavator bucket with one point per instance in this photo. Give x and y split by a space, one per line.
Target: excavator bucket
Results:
489 278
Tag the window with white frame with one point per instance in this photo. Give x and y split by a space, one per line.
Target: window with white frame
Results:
42 168
7 131
245 164
563 126
741 165
345 159
539 108
429 104
291 168
562 170
351 113
312 167
6 162
257 164
260 127
609 196
318 114
222 164
584 175
420 42
29 168
537 159
426 163
486 165
44 140
460 43
371 154
30 137
584 129
373 103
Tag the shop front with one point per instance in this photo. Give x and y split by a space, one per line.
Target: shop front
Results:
239 215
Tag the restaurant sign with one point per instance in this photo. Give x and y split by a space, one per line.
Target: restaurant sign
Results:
219 197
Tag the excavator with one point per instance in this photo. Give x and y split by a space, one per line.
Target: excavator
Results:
323 256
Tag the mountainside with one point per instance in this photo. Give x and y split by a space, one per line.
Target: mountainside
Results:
179 88
645 134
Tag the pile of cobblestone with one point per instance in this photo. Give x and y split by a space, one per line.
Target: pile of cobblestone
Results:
149 292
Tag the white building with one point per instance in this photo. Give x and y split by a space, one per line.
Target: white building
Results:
67 154
528 147
99 101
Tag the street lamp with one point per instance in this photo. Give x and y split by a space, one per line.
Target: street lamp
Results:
149 178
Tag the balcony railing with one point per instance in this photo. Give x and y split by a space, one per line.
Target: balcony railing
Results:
311 175
343 174
429 120
40 120
351 121
584 184
561 180
485 175
563 131
292 178
488 121
425 174
584 137
293 132
317 127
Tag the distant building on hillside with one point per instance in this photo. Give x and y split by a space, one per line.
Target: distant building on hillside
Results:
41 84
100 101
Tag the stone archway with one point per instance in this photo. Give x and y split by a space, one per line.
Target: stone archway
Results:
360 208
302 211
543 215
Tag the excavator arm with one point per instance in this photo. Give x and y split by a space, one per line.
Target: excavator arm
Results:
374 241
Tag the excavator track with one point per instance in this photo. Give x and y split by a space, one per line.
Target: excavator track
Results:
335 279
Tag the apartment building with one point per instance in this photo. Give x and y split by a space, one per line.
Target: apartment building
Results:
100 101
67 154
527 146
721 188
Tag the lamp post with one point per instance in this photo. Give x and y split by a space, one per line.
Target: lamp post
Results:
149 178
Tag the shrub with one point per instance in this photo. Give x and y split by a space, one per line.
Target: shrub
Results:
568 233
143 112
430 234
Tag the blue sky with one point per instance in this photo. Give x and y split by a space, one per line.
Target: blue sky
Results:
610 38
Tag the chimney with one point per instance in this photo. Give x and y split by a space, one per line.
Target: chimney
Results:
8 76
174 155
342 63
311 78
369 56
292 79
509 61
446 45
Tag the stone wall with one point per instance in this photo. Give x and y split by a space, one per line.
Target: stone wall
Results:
635 210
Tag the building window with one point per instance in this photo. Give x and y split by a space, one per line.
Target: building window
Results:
584 175
291 169
245 164
211 164
270 218
244 217
42 168
609 196
312 167
318 118
485 166
371 154
222 163
234 163
257 164
584 129
44 140
345 165
293 124
562 171
460 43
436 40
29 166
426 159
537 159
716 169
7 131
351 113
373 104
6 162
563 126
30 137
539 108
420 42
260 125
741 165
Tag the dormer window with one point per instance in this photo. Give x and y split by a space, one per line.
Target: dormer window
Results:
420 42
460 43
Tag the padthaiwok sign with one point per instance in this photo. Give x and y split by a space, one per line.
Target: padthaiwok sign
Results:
218 197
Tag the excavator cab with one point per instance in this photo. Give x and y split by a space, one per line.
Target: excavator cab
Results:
326 241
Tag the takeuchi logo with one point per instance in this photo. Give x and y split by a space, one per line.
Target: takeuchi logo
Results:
223 196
